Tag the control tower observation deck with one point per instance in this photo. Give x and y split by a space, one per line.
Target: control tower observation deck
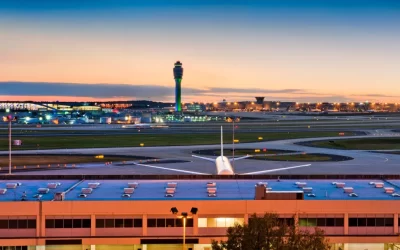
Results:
178 74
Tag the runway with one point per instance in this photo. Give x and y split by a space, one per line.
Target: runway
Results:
364 162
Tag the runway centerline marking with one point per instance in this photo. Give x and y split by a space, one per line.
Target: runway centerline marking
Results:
276 169
170 169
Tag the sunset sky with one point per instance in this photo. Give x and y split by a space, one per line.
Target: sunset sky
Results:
297 50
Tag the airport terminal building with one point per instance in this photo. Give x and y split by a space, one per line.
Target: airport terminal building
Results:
136 214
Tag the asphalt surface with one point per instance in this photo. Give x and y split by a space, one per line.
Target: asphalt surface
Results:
364 162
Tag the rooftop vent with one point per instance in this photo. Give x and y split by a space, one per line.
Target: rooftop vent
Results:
59 196
348 190
353 195
311 195
379 184
86 190
301 184
12 185
169 195
372 183
133 184
172 184
3 190
340 184
389 190
93 185
170 190
82 195
126 195
211 184
43 190
129 190
211 190
307 189
396 195
52 185
212 195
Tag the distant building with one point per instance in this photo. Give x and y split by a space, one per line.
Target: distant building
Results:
196 107
259 99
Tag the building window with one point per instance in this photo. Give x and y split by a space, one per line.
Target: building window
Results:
109 223
66 223
128 222
321 222
58 223
371 222
151 223
76 223
219 222
18 224
162 222
118 223
86 223
286 221
13 247
137 222
100 223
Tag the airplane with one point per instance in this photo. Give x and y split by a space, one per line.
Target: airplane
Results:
222 163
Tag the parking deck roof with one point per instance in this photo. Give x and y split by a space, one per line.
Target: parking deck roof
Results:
196 189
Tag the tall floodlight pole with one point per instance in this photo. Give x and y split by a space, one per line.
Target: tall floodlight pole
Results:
178 74
9 144
233 142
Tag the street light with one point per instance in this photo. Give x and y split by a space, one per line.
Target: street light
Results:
9 142
233 119
184 216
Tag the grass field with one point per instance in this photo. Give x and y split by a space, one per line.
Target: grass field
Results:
361 144
298 157
59 142
22 160
228 152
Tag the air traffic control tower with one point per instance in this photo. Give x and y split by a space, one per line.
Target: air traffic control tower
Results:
178 73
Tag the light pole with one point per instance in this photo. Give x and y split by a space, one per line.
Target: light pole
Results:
9 144
184 216
233 139
233 143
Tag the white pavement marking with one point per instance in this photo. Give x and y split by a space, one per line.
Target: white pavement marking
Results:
170 169
276 169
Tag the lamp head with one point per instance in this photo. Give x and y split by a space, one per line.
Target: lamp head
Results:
194 210
174 210
184 214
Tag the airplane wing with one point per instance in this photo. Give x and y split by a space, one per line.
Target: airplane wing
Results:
170 169
240 158
204 158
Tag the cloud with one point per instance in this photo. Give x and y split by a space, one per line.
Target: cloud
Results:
103 90
254 90
156 92
379 95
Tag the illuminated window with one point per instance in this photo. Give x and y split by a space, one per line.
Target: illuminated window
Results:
219 222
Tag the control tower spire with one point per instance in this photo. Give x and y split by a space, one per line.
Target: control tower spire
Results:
178 73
